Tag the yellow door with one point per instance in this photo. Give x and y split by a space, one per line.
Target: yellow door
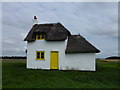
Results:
54 60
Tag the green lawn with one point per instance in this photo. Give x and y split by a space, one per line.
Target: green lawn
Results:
15 75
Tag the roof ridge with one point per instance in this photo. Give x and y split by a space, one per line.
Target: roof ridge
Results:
48 23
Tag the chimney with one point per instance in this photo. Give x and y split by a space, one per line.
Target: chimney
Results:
35 20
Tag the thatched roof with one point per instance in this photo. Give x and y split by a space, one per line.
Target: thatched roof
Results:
53 32
57 32
78 44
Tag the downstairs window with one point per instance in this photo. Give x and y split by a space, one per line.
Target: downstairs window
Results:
40 55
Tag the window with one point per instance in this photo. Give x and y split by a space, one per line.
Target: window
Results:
40 55
40 36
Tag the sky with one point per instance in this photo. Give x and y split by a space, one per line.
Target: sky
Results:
97 22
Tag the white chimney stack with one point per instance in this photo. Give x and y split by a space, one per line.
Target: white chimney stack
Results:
35 20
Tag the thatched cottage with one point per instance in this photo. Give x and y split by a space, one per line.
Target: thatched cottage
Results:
51 46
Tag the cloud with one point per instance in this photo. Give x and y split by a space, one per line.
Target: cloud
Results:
13 51
12 41
97 22
8 42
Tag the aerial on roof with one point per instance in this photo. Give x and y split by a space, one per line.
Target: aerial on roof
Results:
53 32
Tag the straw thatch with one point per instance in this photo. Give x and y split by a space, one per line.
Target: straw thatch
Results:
57 32
78 44
53 32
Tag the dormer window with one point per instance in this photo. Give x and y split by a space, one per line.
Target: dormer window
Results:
40 36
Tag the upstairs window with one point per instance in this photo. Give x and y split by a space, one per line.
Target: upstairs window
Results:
40 36
40 55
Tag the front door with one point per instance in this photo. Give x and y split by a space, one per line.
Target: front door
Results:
54 60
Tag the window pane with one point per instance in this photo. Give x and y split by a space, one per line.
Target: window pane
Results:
38 57
43 36
38 36
42 55
38 54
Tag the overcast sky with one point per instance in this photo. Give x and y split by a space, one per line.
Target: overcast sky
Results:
97 22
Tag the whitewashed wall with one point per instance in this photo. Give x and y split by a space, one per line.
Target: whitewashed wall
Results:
80 61
76 61
47 46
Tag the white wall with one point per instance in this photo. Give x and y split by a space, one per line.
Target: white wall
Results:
47 46
80 61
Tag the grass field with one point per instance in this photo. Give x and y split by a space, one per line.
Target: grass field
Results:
15 75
